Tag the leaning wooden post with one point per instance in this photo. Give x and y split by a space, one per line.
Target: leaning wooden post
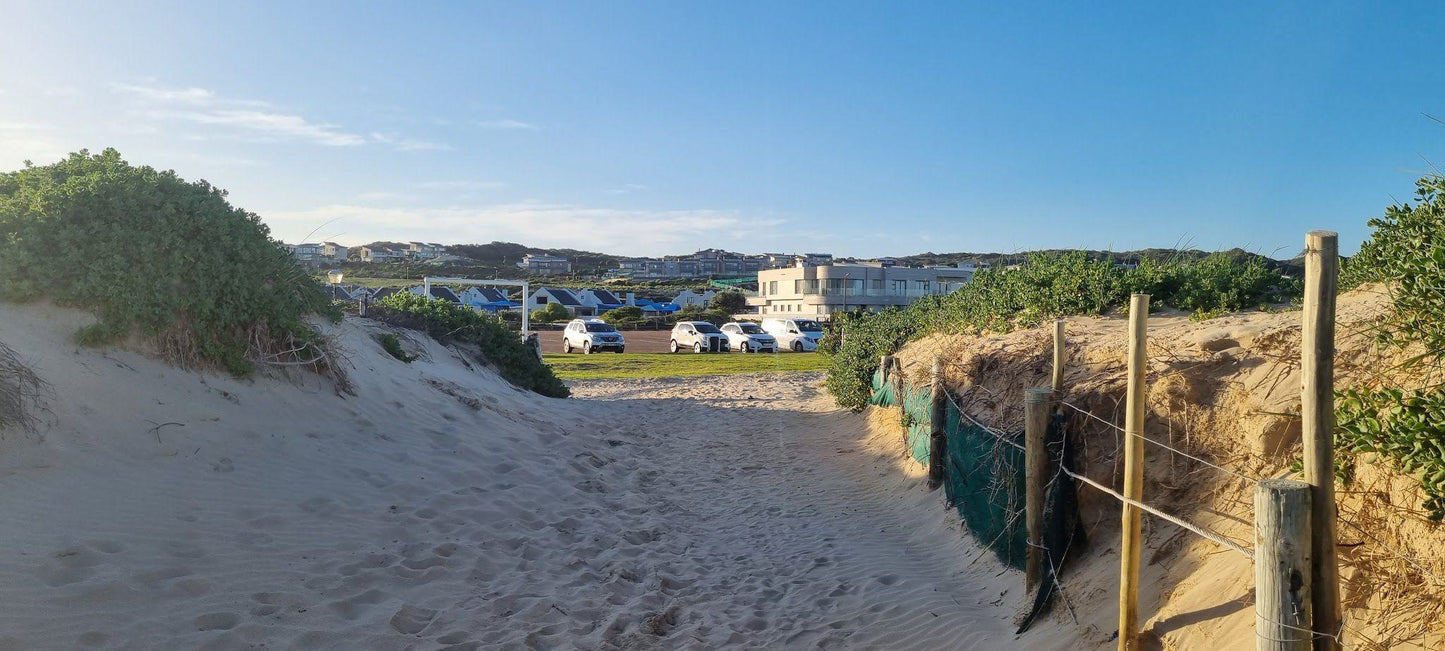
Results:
1133 474
1037 404
1282 565
1322 265
886 364
1057 381
938 422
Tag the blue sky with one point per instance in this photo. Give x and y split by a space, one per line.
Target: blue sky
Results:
664 127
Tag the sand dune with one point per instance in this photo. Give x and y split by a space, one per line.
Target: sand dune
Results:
442 508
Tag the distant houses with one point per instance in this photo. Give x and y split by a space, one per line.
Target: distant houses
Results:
545 265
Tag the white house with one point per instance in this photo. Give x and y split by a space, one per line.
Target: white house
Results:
688 297
425 250
544 295
437 291
477 296
600 300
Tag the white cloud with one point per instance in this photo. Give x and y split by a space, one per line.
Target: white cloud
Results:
506 124
538 224
628 188
469 186
206 107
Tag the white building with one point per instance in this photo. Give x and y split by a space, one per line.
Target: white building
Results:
542 296
816 291
688 297
545 265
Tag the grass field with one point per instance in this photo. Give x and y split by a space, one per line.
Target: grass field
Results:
634 365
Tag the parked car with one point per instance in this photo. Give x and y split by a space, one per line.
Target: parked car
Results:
749 338
590 335
797 335
700 336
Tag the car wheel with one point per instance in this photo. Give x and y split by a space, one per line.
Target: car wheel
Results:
672 346
744 347
586 348
697 347
619 350
566 345
797 346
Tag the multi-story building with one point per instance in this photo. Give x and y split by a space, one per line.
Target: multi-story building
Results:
545 265
816 291
712 262
425 250
382 252
334 252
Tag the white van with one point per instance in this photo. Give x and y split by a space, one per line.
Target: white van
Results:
797 335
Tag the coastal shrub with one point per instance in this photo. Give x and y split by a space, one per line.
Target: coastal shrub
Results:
392 345
497 345
731 302
1404 421
1046 286
698 313
551 313
150 253
627 316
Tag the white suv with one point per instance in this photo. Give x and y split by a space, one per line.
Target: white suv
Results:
797 335
700 336
749 338
590 335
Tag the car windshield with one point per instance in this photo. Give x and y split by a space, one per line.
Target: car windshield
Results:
705 327
809 326
750 328
600 327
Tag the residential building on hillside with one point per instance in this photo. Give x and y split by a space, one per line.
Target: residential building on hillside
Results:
334 252
306 253
712 262
600 300
816 291
545 265
688 297
383 253
425 250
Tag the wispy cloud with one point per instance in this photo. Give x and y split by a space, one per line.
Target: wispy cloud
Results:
507 124
258 118
628 188
539 224
466 186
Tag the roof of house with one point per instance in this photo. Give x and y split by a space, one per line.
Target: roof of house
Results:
445 293
384 292
338 293
604 296
561 296
492 294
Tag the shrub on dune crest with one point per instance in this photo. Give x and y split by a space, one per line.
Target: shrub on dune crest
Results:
499 346
150 253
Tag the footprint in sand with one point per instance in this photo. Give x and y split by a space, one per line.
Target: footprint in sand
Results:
412 620
217 622
69 565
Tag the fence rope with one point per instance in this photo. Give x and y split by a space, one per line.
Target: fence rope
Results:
1216 538
1162 445
996 434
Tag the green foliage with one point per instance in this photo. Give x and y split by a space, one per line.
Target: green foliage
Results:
729 302
551 313
500 347
627 316
698 313
151 253
1402 425
1406 425
1046 286
392 346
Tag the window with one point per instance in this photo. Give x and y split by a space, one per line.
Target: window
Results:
922 285
899 287
772 287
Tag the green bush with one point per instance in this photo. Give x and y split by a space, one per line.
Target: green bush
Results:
551 313
731 302
1046 286
627 316
1404 424
499 346
151 253
392 346
699 313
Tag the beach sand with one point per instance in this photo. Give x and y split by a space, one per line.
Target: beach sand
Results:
440 507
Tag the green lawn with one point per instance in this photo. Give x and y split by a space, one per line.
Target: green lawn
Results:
630 365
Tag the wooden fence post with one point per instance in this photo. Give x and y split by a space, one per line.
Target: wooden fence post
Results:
886 363
1037 406
1057 381
1129 551
937 432
1317 411
1282 565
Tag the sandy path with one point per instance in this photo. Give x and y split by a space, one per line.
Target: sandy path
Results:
442 508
